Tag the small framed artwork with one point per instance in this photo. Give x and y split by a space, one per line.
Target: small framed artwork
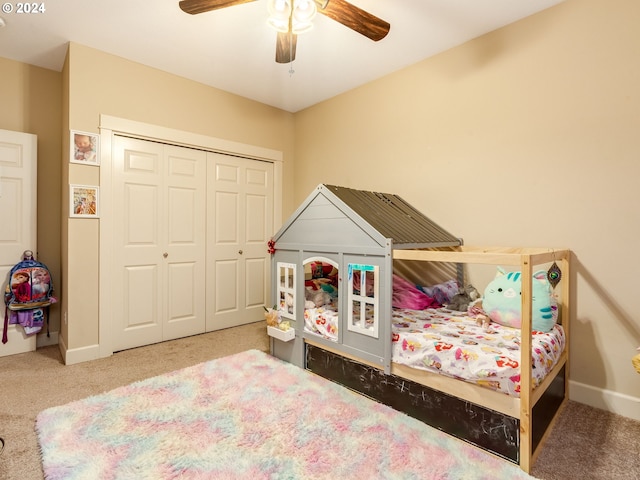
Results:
85 148
83 201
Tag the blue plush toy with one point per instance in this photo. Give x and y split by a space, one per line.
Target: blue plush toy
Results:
502 301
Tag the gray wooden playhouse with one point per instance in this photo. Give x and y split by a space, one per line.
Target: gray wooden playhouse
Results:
354 232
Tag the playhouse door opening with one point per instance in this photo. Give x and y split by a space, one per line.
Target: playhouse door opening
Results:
321 306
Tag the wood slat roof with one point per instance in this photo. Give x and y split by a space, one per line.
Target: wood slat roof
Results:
394 218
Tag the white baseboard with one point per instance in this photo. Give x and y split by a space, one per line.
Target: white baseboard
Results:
608 400
70 356
79 355
17 341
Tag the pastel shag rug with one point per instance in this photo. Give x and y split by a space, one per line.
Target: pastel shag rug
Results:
249 416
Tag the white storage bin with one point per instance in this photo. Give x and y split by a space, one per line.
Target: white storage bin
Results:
283 335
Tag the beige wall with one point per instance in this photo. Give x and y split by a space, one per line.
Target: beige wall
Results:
527 136
31 101
100 83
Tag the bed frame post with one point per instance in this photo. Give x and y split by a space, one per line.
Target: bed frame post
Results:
565 313
525 365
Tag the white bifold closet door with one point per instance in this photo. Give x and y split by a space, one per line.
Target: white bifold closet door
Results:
240 195
159 195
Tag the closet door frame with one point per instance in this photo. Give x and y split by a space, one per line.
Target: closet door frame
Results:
110 126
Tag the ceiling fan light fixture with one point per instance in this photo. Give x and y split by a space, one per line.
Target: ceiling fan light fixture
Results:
297 14
279 14
304 11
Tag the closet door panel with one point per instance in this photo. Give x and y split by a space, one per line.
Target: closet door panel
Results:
185 242
227 246
159 201
240 215
182 302
227 215
141 296
138 251
256 269
226 281
257 209
139 222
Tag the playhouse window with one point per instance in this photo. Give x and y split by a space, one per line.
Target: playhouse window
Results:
363 297
321 275
287 290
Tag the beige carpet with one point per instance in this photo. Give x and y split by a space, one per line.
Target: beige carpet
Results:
586 443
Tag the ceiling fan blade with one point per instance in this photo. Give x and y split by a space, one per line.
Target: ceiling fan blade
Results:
286 47
200 6
355 18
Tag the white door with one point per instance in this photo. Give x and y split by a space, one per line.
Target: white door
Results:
159 197
18 217
239 225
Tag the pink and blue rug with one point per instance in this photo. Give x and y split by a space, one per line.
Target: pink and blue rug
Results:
249 416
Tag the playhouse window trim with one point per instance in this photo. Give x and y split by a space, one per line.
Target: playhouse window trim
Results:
286 271
358 302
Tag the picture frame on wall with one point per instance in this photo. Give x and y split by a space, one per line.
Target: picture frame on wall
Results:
84 148
84 201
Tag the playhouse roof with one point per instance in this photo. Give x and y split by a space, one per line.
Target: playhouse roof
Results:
394 218
388 215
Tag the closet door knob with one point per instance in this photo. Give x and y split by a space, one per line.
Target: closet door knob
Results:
165 254
240 252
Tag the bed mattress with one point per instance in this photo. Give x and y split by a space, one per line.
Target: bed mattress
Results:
450 343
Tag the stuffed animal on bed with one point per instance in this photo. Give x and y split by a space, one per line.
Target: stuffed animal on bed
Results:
502 301
465 296
315 298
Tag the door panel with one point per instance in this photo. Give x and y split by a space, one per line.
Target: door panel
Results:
139 221
184 317
238 231
258 220
255 219
137 200
141 296
226 286
185 242
18 193
226 219
159 206
256 269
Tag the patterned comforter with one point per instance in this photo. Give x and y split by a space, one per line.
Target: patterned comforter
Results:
322 321
452 344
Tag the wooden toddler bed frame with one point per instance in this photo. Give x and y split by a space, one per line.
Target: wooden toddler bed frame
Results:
361 234
513 428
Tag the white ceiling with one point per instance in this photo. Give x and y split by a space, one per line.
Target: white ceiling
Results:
234 49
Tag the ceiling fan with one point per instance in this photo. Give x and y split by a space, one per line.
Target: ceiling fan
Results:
341 11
